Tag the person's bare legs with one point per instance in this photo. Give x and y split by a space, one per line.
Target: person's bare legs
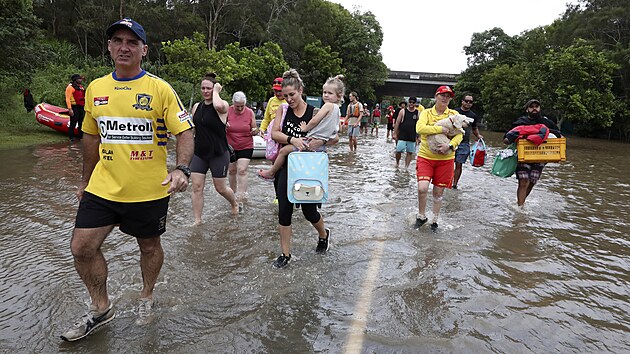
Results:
398 155
198 183
321 229
241 178
221 186
408 159
438 192
151 260
277 164
285 239
423 191
524 188
232 175
457 174
91 264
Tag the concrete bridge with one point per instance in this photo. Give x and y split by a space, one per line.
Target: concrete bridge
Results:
419 84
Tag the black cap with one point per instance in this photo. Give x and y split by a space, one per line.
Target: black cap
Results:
413 98
75 77
128 23
530 102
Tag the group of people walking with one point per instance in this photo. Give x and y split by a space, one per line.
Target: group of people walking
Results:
125 182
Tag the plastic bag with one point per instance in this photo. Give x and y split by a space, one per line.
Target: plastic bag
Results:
505 162
478 153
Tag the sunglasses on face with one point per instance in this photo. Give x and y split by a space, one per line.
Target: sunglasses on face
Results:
468 101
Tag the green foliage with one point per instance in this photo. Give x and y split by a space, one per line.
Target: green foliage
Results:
579 67
319 63
237 68
490 46
361 41
578 85
504 92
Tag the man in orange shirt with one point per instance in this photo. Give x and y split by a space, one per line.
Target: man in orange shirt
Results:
75 101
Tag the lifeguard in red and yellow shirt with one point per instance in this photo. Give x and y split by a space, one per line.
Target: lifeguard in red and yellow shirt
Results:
437 168
75 102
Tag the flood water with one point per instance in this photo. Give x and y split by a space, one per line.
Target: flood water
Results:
554 278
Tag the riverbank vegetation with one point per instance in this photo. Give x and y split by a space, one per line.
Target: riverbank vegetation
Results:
579 66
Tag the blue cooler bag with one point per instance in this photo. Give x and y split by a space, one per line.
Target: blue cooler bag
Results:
307 180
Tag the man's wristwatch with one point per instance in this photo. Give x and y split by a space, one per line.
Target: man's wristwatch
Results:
450 146
184 169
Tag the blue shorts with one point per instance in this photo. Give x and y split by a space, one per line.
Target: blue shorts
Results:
353 131
406 146
462 153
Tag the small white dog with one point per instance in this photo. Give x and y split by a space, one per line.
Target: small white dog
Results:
455 125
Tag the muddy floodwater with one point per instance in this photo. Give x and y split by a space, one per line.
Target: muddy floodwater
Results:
553 278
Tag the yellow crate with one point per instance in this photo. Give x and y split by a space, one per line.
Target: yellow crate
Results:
552 150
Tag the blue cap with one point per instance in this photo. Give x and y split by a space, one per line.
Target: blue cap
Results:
128 23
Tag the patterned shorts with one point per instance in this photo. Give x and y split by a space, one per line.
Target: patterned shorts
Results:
531 171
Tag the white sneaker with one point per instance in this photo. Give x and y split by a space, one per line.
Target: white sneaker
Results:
145 311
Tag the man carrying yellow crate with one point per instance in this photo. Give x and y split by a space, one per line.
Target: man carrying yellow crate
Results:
529 173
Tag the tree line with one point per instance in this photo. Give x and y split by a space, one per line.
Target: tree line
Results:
246 42
578 66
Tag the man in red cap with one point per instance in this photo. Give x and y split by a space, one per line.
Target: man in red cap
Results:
431 167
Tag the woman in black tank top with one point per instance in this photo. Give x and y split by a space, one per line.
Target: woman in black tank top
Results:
290 133
211 151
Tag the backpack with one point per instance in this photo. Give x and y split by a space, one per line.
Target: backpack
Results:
307 179
356 109
273 147
478 154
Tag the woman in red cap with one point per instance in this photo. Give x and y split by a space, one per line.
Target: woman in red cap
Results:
434 167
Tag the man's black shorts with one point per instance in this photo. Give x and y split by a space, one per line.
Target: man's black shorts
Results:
141 219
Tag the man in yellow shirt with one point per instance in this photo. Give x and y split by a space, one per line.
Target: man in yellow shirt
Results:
435 167
125 180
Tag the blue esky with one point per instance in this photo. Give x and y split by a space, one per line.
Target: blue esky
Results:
445 27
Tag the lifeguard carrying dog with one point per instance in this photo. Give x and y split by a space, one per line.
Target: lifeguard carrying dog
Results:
455 124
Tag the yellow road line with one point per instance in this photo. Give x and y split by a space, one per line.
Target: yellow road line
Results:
354 342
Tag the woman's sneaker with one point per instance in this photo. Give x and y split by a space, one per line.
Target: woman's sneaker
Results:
420 222
88 323
282 261
323 243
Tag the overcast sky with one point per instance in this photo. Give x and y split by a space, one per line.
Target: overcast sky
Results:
450 23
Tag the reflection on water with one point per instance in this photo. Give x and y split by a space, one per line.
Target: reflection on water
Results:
551 278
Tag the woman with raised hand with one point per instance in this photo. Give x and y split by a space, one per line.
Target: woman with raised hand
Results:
211 146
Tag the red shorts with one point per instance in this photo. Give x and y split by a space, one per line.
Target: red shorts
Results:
439 171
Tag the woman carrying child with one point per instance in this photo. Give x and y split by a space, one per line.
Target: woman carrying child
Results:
299 113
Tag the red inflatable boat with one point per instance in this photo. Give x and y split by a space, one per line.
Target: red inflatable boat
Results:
54 117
